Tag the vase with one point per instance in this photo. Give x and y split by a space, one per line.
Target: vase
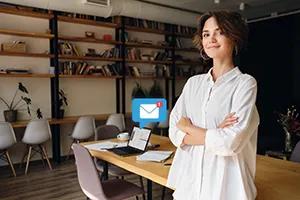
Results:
10 115
288 142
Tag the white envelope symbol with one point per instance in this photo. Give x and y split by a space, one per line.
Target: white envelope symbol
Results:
149 111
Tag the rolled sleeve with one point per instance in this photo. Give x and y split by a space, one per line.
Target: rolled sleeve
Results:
231 140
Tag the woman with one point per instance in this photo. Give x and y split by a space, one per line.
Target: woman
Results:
214 122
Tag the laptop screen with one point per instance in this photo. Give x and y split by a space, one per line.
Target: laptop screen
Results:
139 138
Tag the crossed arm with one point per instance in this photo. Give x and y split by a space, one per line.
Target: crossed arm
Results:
196 135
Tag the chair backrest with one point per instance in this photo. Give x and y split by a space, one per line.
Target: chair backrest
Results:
88 176
296 153
7 135
151 125
164 124
85 128
37 132
118 120
106 132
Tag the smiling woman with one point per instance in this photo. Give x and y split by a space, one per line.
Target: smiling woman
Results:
214 122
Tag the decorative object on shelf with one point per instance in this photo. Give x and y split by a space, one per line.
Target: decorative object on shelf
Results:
14 46
89 34
10 115
107 37
63 101
291 126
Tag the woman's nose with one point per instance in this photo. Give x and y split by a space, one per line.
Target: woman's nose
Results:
212 38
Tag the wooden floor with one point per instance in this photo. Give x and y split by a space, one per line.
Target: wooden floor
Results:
60 183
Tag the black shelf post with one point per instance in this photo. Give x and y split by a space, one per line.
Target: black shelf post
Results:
173 68
123 64
119 46
55 129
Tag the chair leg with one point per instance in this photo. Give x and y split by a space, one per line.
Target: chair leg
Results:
142 186
10 163
42 155
28 159
136 197
163 193
46 157
24 156
70 149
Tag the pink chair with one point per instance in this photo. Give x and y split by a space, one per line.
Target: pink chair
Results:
296 153
91 185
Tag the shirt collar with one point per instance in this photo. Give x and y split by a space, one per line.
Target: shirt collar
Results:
225 77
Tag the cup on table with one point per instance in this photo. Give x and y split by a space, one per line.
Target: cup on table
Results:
123 136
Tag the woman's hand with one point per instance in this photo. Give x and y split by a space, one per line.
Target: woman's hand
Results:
184 123
194 135
229 120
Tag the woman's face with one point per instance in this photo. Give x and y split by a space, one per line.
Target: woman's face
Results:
216 45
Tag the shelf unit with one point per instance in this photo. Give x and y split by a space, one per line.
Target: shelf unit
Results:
29 15
54 37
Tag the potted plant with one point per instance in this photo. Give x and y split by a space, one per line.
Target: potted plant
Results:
63 101
155 91
14 105
138 91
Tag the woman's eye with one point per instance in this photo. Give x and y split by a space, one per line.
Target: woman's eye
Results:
205 35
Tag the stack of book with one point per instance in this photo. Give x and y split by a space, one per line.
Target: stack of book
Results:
84 68
67 48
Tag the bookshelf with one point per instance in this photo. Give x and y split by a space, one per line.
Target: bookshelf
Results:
25 54
30 30
26 13
60 28
26 34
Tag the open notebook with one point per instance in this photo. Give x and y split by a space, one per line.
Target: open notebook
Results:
155 156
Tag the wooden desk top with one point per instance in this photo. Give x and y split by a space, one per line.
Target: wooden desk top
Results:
275 179
156 172
65 120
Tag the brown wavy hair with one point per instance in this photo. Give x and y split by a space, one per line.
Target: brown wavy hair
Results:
230 23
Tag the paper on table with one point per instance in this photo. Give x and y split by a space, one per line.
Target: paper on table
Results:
103 146
155 156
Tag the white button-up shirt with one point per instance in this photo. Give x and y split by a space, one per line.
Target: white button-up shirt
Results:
224 167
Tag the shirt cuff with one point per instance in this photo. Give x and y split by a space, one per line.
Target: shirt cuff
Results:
179 138
210 138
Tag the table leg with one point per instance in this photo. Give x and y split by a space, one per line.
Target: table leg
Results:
55 130
149 189
105 170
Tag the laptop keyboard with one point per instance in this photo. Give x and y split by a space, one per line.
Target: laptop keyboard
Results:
125 150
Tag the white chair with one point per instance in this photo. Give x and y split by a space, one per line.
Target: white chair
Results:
7 139
37 133
84 129
118 120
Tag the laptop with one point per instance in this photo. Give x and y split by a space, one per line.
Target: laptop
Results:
137 143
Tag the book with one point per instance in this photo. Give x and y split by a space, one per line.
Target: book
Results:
155 156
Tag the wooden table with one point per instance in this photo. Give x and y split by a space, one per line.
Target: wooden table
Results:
275 179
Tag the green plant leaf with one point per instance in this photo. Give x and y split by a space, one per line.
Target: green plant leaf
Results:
155 91
39 113
63 99
138 91
22 88
28 111
26 99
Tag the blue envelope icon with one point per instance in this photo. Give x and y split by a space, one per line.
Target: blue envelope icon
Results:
149 111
